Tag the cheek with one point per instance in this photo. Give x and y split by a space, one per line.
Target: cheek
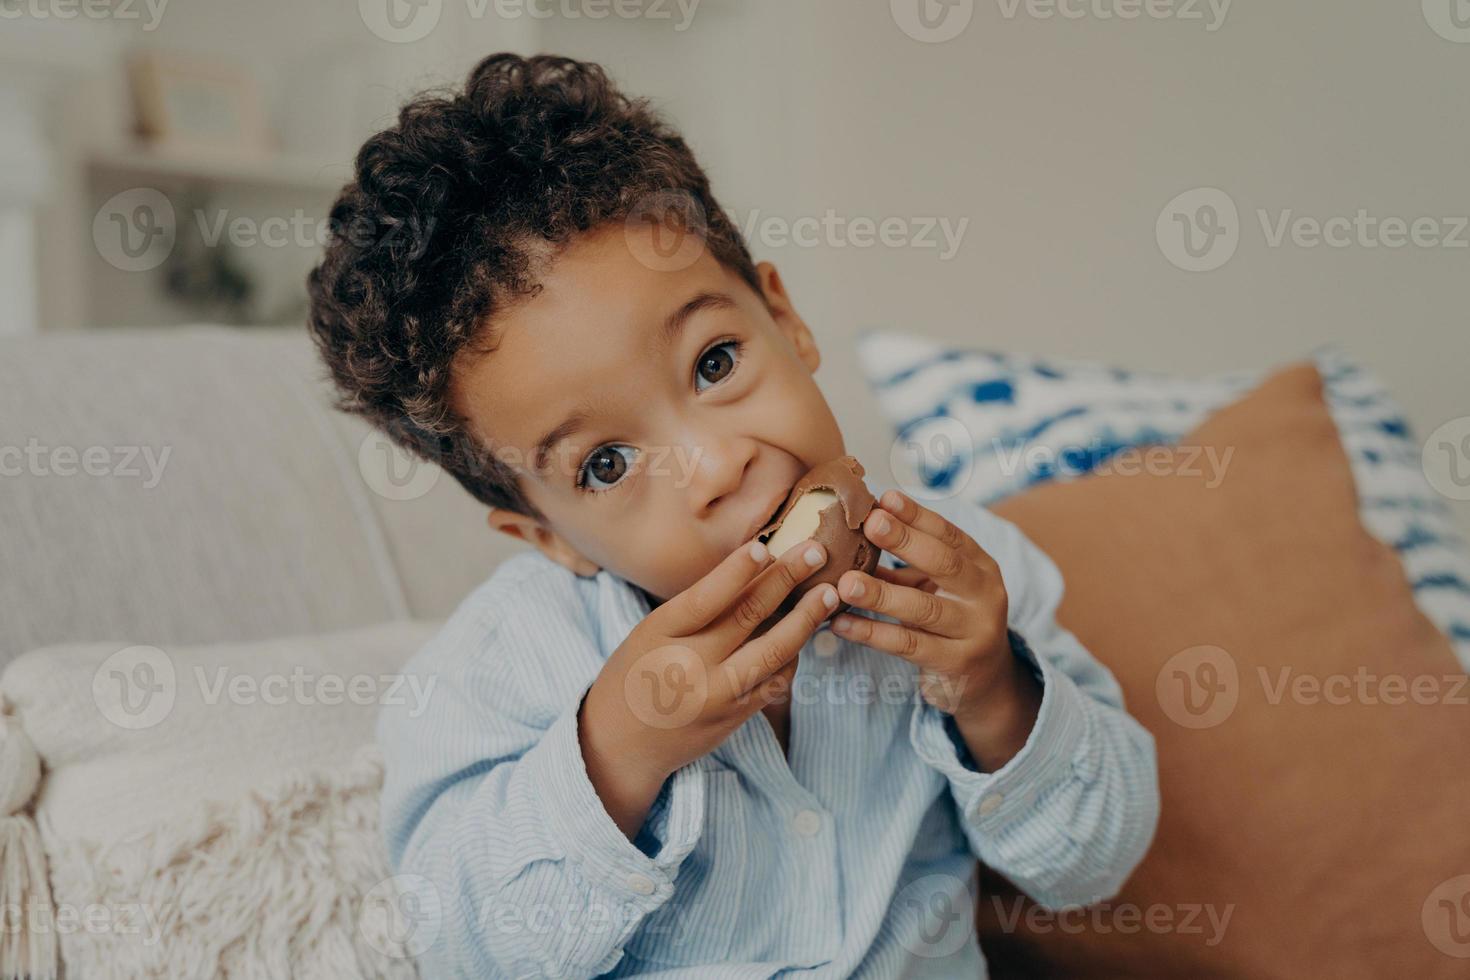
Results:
667 558
782 388
793 408
649 556
664 571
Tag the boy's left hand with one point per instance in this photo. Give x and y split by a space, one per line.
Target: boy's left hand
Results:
951 608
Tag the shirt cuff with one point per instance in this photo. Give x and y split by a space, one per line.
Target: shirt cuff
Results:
1055 751
576 816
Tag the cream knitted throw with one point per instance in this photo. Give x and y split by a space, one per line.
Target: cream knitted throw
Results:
268 886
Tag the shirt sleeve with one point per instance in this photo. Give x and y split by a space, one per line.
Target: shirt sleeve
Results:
487 808
1070 816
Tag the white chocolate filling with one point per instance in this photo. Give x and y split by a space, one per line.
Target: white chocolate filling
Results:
801 521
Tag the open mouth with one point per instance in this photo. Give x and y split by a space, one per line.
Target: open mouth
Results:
771 519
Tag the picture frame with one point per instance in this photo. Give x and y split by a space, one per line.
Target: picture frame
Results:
190 105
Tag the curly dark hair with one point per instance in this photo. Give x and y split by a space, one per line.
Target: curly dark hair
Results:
443 224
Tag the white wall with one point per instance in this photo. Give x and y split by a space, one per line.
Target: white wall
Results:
326 78
1062 140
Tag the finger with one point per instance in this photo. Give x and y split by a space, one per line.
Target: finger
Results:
894 638
944 561
936 614
765 655
697 606
765 595
931 522
912 577
777 687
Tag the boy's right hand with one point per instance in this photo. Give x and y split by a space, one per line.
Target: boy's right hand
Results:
691 673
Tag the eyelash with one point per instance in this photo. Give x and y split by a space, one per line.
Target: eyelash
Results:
581 481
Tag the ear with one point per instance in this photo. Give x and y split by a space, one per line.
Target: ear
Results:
550 543
786 317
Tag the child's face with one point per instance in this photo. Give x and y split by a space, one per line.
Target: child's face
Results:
687 447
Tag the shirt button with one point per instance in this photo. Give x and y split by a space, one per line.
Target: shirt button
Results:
642 884
825 643
807 823
990 804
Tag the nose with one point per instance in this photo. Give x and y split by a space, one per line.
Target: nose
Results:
717 468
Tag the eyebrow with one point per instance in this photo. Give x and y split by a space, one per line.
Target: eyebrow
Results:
668 332
670 329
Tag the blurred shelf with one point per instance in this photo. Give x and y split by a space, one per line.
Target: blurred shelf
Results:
223 167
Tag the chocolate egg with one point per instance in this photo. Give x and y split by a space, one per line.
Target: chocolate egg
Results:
829 505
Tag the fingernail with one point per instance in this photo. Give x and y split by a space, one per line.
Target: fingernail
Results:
841 624
881 525
856 589
758 551
813 557
829 597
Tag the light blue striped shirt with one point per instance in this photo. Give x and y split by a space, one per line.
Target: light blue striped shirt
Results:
855 857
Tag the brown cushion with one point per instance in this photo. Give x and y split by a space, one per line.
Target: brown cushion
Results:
1321 828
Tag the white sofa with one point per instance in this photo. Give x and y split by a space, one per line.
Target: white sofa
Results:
194 492
261 525
187 501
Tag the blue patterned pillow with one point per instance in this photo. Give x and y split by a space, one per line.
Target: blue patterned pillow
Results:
982 426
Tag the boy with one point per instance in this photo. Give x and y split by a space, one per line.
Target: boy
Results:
634 764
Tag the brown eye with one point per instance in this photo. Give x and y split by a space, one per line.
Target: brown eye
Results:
607 465
716 364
